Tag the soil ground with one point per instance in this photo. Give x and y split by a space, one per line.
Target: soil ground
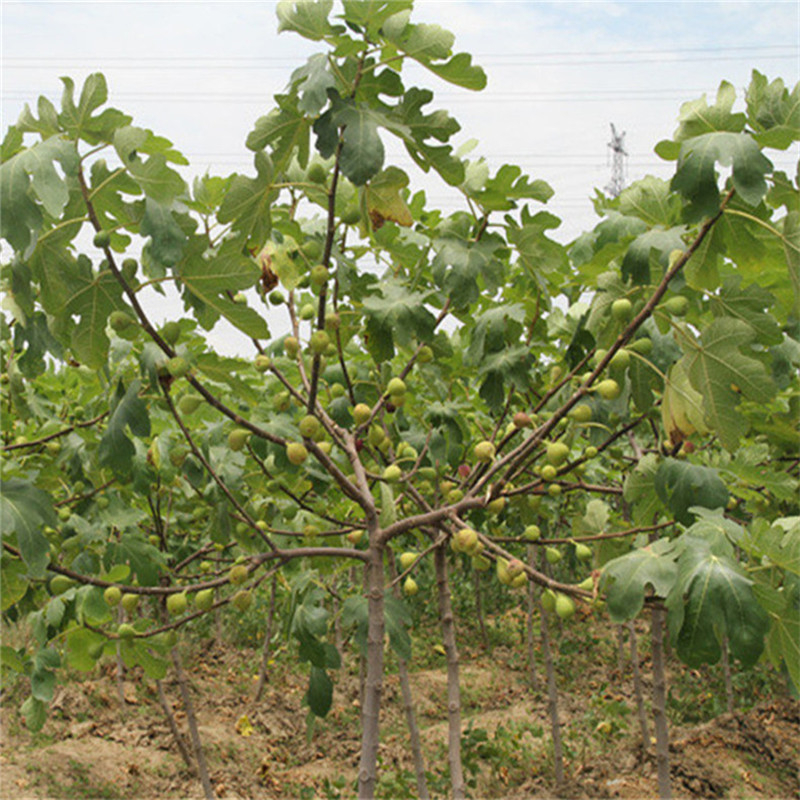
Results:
94 747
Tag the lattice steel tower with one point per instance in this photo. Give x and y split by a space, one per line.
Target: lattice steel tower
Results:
617 145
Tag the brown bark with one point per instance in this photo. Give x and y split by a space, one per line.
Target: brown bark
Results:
453 688
660 703
265 652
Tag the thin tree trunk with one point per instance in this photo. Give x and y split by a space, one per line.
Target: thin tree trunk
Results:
453 688
726 674
173 726
530 600
476 577
408 707
620 649
218 637
362 659
552 697
265 653
120 671
373 685
338 641
660 704
194 732
638 689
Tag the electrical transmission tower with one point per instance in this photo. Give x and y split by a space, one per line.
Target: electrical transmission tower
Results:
617 145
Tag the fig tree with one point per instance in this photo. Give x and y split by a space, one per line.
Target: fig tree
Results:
565 606
130 602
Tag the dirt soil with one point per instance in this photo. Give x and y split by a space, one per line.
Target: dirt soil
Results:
92 747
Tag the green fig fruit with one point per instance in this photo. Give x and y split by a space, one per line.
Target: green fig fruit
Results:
102 239
549 600
410 586
130 602
361 413
204 599
552 555
308 426
112 595
557 453
533 533
177 604
621 309
396 386
565 606
484 452
407 559
126 631
608 389
242 600
237 439
171 332
238 574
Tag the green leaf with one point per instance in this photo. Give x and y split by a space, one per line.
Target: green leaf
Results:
783 642
431 46
309 18
314 78
320 692
537 253
286 130
156 179
77 120
24 511
388 514
13 579
466 269
362 150
653 244
128 411
650 200
681 485
721 372
210 280
696 177
80 641
35 713
791 244
779 543
751 305
167 237
682 408
773 112
31 175
627 578
509 184
398 315
698 118
248 202
713 599
11 659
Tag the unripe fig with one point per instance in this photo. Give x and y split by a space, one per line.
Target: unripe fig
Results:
484 451
396 386
120 321
237 439
565 606
307 311
480 563
496 506
130 602
204 599
515 567
587 584
276 297
102 239
242 600
128 269
549 600
296 453
177 604
591 451
519 581
354 537
317 173
549 472
552 555
126 631
308 426
319 275
583 552
608 389
189 403
238 574
262 363
532 533
361 413
410 586
620 360
60 583
392 473
291 346
112 595
467 540
621 309
171 332
557 453
642 346
177 366
501 567
554 490
407 559
581 413
425 355
240 299
319 342
678 306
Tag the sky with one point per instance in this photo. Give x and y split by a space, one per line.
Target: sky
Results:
559 73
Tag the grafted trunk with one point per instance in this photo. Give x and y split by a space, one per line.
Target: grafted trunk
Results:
453 687
373 684
660 704
194 731
265 652
552 697
638 689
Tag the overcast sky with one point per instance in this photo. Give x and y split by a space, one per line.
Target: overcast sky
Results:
559 73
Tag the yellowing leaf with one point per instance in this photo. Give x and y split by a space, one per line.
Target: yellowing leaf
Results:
244 726
682 405
385 202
